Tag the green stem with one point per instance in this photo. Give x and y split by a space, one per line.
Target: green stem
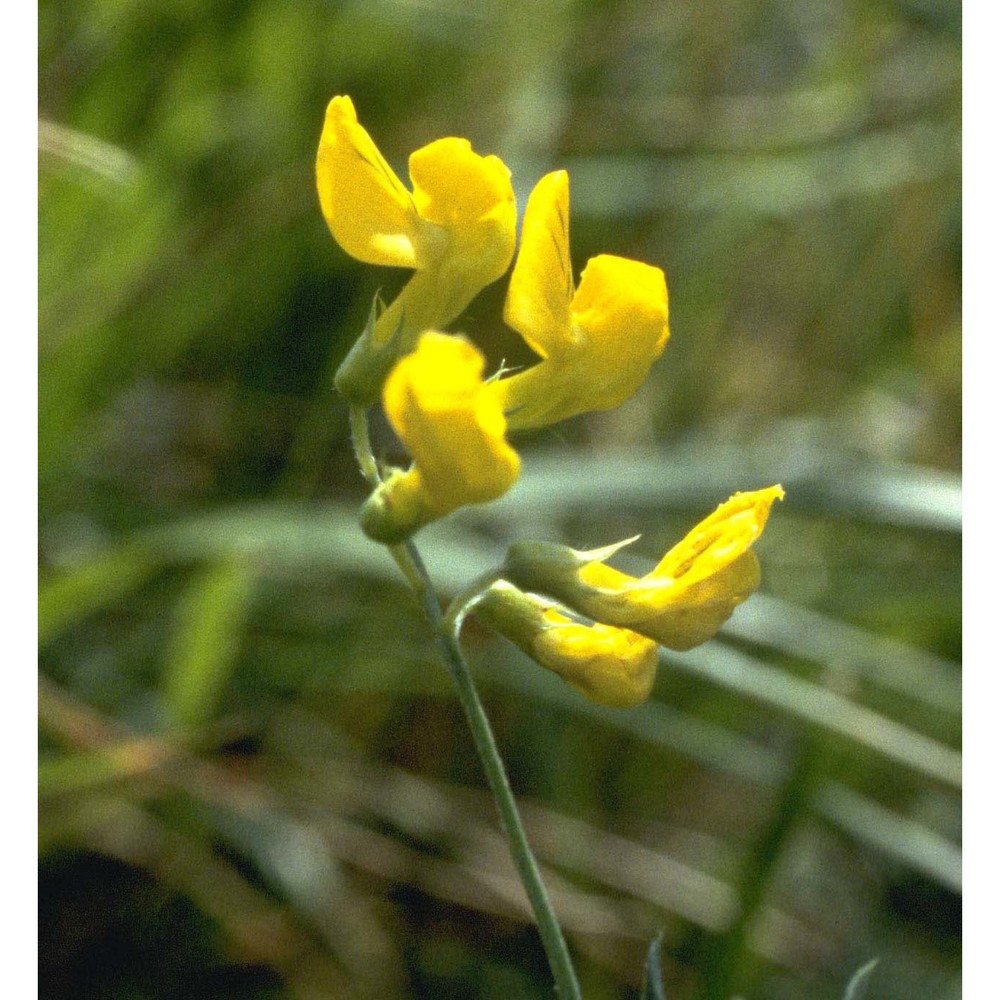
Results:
446 635
467 598
446 631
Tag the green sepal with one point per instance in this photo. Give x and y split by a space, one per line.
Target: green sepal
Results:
550 567
363 372
395 509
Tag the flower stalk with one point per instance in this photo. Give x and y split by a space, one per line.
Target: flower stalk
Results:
446 632
595 626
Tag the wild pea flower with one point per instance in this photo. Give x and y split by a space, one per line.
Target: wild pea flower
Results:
454 429
456 229
597 341
612 666
683 601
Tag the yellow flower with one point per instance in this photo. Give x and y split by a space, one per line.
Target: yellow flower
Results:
456 229
684 600
612 666
597 341
436 400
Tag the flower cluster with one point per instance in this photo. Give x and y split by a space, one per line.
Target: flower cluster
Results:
596 340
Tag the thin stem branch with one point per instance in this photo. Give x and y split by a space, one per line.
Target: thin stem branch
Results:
467 598
446 635
362 445
446 630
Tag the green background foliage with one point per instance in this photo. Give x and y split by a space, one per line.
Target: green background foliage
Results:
254 778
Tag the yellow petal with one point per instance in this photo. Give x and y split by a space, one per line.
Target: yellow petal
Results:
454 430
368 209
466 199
696 585
620 311
457 230
681 617
541 284
721 537
683 601
471 197
596 342
612 666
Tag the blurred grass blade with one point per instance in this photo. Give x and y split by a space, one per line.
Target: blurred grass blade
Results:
111 163
69 595
276 537
89 769
210 623
821 707
858 985
289 854
814 466
654 722
810 635
652 980
721 749
770 185
102 750
900 494
288 537
897 836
